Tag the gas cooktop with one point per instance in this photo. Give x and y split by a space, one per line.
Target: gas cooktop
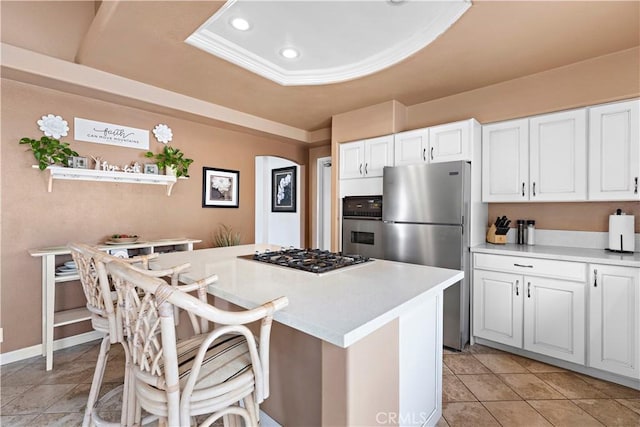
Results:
311 260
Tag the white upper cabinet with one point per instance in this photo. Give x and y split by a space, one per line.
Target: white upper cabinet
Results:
558 156
543 158
505 161
378 153
614 151
411 147
367 158
351 159
442 143
453 141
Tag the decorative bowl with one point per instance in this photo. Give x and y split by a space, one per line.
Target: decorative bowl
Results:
123 238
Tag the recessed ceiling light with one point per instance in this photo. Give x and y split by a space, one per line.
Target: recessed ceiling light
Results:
240 24
289 53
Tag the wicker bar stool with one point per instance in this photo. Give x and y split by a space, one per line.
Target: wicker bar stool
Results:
101 299
220 374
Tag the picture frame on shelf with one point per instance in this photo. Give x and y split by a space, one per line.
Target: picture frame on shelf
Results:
151 168
283 189
220 188
77 162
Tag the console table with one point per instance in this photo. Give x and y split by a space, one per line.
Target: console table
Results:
52 319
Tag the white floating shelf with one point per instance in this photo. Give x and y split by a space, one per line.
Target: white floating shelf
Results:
74 174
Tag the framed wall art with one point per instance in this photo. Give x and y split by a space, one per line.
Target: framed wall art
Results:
220 188
151 168
283 189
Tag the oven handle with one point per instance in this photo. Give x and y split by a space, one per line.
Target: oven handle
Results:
366 218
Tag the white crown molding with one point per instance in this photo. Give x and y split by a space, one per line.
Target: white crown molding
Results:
221 47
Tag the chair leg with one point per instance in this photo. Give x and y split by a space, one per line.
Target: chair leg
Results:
254 410
96 383
128 394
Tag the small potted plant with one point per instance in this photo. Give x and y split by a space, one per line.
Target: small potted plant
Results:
225 236
49 151
172 160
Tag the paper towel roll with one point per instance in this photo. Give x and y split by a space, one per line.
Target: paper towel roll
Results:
621 236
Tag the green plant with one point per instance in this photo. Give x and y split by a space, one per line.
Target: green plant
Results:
49 151
225 236
172 157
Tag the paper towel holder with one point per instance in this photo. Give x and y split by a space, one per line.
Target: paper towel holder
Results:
621 233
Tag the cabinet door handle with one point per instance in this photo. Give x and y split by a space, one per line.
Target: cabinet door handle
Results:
517 291
635 191
360 168
528 289
522 189
534 189
431 153
595 278
424 156
522 265
366 165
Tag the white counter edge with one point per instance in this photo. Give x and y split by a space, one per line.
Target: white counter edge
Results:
354 335
561 253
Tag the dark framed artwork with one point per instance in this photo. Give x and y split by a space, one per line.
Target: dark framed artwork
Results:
283 189
220 188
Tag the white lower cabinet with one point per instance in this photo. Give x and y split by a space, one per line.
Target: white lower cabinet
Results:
554 321
497 314
514 304
614 315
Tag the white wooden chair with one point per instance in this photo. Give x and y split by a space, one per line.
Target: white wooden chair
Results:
101 299
206 375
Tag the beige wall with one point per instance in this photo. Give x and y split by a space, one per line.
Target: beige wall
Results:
90 211
598 80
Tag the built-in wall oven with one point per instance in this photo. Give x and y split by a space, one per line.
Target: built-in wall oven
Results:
362 226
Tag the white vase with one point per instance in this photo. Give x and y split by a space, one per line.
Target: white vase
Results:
170 170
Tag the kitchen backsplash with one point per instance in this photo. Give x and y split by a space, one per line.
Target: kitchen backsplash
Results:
571 239
575 216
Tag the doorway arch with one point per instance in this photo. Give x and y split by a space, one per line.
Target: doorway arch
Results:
278 228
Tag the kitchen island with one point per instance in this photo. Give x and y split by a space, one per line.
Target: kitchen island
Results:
357 346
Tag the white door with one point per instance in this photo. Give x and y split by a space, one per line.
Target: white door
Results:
497 307
614 319
614 151
378 154
352 160
505 161
323 223
411 147
554 322
450 142
558 156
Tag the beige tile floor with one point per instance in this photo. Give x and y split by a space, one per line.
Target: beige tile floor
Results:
481 387
487 387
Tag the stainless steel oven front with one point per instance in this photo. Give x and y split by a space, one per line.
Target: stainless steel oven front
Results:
362 226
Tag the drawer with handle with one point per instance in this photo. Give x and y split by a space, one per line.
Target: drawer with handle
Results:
567 270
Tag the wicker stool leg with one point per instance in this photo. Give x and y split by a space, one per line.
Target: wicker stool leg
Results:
96 383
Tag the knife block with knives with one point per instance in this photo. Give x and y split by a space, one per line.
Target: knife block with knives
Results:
497 233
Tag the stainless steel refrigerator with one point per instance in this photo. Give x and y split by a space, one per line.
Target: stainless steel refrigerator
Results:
426 215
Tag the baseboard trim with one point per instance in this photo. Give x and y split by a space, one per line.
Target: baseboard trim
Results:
593 372
267 421
36 350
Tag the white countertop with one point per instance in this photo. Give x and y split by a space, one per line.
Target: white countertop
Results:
339 307
561 253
